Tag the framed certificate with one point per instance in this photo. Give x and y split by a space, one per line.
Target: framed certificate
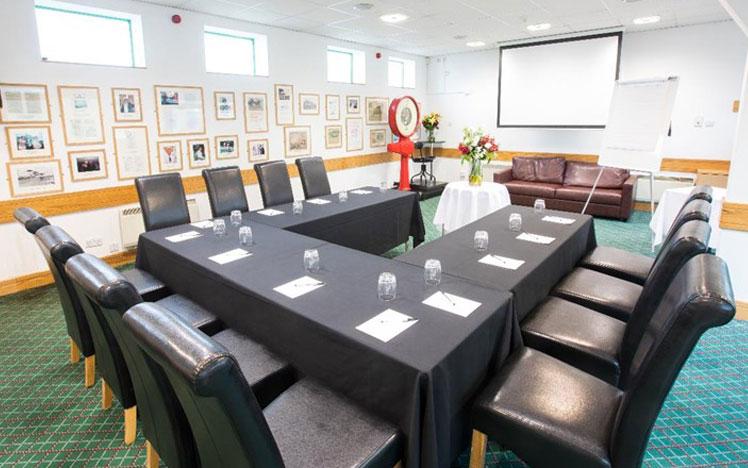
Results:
332 107
354 134
82 123
284 113
255 112
24 103
180 110
225 103
132 151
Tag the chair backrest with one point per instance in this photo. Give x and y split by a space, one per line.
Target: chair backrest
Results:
275 184
691 240
226 420
84 271
313 177
162 201
696 209
58 247
225 190
701 192
698 299
164 423
30 218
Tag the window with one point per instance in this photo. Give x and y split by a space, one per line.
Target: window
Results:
79 34
235 52
346 65
401 73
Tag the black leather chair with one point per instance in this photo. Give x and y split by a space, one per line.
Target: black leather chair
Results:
306 426
597 343
225 190
313 177
426 177
701 192
30 218
162 201
635 268
552 414
275 184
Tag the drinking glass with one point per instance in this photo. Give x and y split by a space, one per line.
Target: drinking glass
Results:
343 196
298 207
245 236
480 241
236 218
515 222
432 272
219 227
383 186
311 260
387 286
539 206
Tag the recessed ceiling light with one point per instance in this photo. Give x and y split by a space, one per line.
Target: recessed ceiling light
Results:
363 6
647 20
393 17
475 44
538 27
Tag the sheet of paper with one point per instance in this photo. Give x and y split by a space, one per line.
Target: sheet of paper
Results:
270 212
387 325
299 287
207 224
183 236
502 262
536 238
230 256
558 220
318 201
361 192
453 304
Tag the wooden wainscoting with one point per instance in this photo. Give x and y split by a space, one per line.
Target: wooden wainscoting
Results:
742 311
734 216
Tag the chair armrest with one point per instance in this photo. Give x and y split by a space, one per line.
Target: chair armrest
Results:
628 197
503 176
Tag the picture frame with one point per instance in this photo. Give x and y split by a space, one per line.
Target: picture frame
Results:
180 110
169 156
132 151
284 109
29 142
255 112
377 109
127 105
82 121
332 106
227 146
30 178
258 150
24 103
308 104
198 153
377 137
354 134
225 105
87 165
297 141
333 136
353 104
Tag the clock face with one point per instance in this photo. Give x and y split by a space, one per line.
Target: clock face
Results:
406 116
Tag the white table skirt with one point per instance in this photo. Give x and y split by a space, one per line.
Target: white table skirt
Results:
462 203
671 202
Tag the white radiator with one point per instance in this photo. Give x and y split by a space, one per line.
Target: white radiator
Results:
131 222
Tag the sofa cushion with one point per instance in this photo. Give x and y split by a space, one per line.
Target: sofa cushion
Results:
535 189
584 174
550 170
602 196
523 169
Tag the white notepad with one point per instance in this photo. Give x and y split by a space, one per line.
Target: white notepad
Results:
558 220
270 212
502 262
183 236
207 224
453 304
318 201
299 287
536 238
230 256
387 325
361 192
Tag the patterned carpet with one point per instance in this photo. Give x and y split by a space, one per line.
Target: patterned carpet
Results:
47 417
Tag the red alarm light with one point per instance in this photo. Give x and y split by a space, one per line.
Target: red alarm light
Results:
378 55
176 19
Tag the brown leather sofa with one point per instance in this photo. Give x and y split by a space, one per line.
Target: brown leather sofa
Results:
565 185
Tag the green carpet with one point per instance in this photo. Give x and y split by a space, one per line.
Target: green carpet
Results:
48 418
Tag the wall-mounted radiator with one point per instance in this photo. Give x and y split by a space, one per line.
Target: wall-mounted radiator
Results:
131 222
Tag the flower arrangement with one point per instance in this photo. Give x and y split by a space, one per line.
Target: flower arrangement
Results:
431 122
476 148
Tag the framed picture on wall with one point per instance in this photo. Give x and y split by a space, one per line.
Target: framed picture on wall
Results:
24 103
82 123
332 107
198 152
227 146
258 150
298 141
284 113
132 151
87 165
377 137
333 136
127 105
255 112
308 104
34 177
180 110
354 134
29 142
169 156
225 103
353 104
376 110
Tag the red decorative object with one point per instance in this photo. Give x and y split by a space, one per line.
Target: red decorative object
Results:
378 55
400 110
176 19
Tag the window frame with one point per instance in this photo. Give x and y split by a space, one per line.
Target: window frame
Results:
357 58
404 63
217 31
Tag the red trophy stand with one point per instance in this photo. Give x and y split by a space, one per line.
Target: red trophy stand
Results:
404 130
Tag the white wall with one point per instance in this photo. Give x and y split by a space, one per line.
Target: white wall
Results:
174 55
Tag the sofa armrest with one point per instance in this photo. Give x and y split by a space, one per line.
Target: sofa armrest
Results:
503 176
628 197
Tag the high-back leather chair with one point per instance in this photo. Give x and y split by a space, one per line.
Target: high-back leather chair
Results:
162 201
696 209
225 190
30 218
58 247
701 192
313 177
275 184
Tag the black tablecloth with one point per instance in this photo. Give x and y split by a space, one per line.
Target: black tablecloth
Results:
374 222
421 380
545 265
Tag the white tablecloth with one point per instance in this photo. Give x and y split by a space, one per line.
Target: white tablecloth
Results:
462 203
671 202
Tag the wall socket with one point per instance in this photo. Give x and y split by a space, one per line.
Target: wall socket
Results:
94 242
698 121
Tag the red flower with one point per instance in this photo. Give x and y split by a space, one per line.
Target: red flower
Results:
463 149
483 140
494 148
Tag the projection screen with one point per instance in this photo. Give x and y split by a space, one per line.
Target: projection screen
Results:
565 83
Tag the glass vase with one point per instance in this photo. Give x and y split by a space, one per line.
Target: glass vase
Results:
430 137
476 173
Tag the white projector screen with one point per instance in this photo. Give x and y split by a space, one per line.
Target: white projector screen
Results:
565 83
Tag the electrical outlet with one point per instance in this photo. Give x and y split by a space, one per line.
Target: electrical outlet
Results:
709 123
94 242
698 122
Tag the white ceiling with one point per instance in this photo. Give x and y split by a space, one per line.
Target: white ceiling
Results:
433 25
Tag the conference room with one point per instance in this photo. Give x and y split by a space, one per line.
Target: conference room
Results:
374 233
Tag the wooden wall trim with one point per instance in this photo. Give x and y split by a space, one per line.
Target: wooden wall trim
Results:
742 311
734 216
